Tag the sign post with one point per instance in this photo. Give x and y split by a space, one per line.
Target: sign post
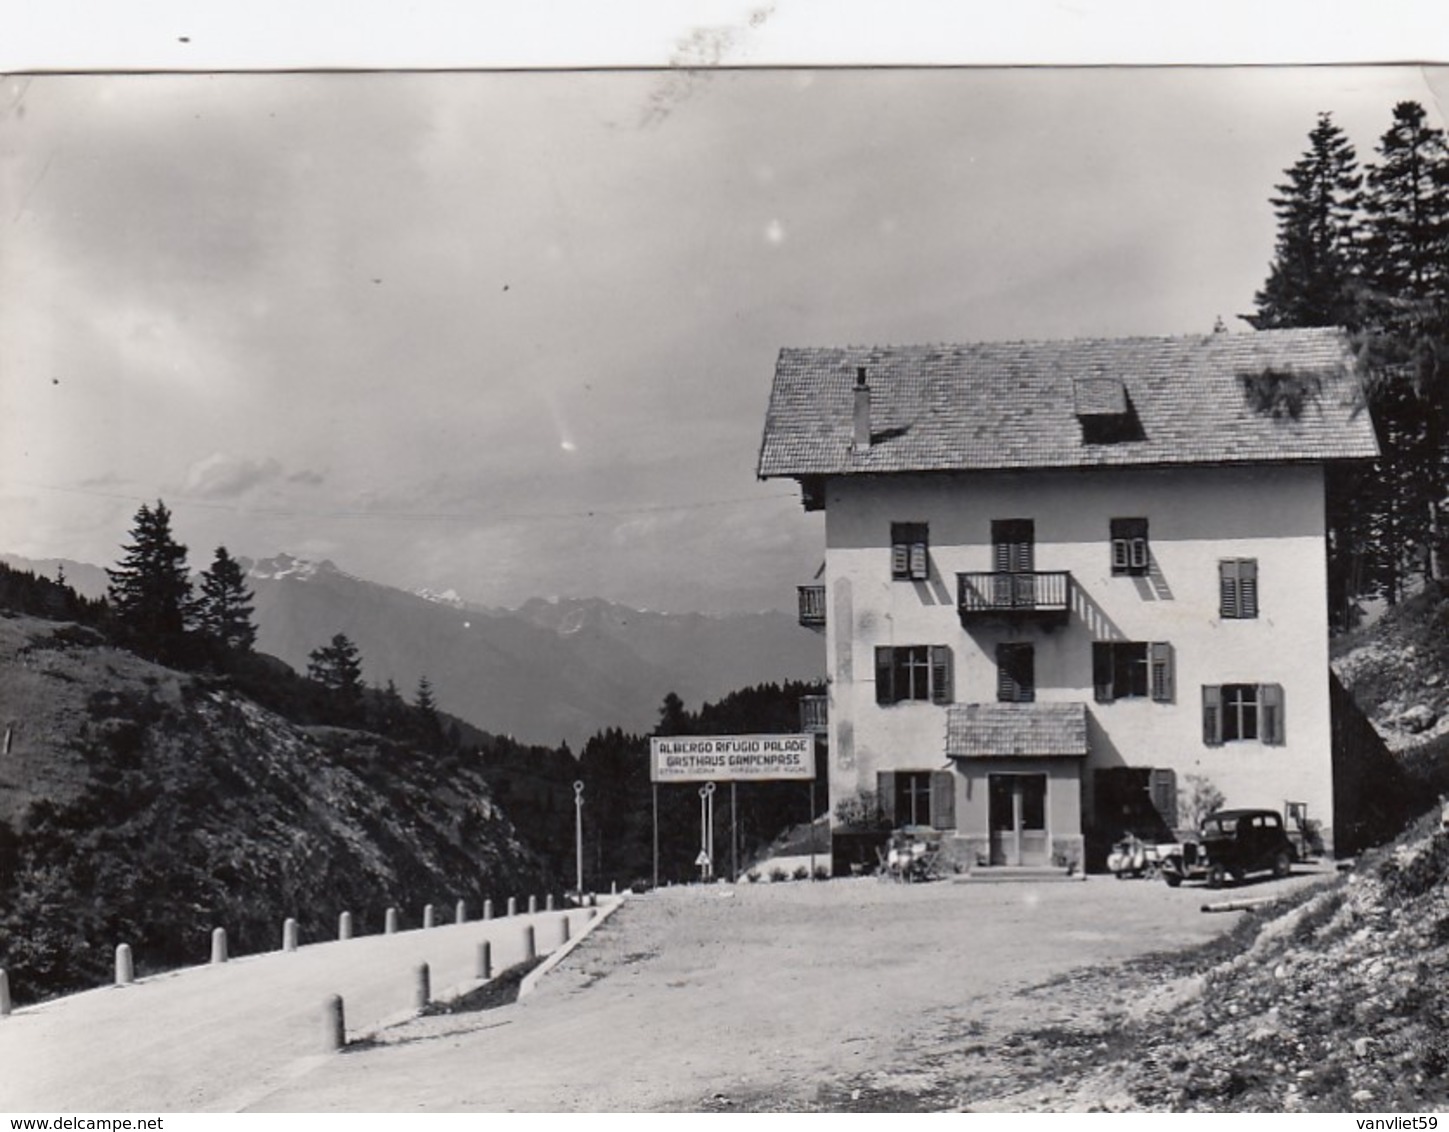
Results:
579 840
725 758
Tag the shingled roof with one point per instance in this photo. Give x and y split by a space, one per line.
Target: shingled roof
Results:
1266 396
1006 730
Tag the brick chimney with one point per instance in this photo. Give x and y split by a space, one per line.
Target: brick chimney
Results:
862 411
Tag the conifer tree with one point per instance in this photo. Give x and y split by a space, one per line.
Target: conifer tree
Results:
224 611
1406 326
150 589
338 668
1309 282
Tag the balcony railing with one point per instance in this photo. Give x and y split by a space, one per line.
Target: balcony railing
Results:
814 714
812 606
996 594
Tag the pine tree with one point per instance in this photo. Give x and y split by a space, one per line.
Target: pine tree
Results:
1309 282
338 668
224 612
430 727
1406 326
150 589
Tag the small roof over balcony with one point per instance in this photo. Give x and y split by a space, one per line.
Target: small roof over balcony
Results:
988 731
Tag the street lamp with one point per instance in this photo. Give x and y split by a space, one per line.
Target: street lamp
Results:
579 840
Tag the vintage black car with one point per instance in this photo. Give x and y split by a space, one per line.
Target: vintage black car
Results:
1231 843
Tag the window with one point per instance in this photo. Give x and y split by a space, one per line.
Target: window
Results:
1236 712
1012 544
912 672
1132 669
1129 547
1015 673
1238 588
909 560
918 797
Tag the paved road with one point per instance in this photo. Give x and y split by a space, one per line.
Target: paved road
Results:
217 1038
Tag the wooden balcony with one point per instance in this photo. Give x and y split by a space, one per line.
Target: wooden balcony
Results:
814 714
1044 595
812 606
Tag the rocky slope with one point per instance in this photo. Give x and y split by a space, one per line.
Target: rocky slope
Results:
147 806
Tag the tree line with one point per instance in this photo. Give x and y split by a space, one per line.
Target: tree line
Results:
1366 248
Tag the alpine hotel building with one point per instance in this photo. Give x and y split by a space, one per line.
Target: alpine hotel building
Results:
1062 577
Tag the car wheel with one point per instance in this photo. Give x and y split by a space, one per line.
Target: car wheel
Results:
1172 879
1282 864
1217 876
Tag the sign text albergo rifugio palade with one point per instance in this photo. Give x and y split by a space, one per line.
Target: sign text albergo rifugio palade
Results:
728 758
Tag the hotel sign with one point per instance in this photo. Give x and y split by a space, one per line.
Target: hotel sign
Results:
731 758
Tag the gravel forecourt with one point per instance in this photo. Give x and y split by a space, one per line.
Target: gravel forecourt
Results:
839 995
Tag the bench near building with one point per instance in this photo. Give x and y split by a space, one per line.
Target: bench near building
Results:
1061 577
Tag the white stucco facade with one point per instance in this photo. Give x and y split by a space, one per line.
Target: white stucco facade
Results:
1197 516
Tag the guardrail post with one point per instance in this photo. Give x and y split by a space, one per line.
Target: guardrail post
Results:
563 929
460 913
530 946
344 926
427 915
289 934
423 994
334 1033
390 924
613 888
532 905
485 960
125 970
4 993
548 902
593 912
488 909
513 905
218 945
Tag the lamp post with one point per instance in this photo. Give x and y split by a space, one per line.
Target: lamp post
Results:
579 840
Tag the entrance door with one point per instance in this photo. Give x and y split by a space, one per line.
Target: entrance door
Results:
1017 804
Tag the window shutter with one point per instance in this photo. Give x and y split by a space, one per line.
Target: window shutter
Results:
1228 589
1162 671
1247 587
884 693
1163 789
1139 554
1272 730
1120 558
941 691
900 560
1005 678
1212 715
943 799
1102 671
919 569
885 792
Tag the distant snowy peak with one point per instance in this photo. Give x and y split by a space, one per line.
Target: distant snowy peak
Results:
448 597
298 569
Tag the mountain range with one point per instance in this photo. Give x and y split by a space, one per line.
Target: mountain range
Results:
550 671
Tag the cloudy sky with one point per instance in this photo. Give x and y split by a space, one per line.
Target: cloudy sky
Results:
513 333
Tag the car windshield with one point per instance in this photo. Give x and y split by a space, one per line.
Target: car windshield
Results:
1219 825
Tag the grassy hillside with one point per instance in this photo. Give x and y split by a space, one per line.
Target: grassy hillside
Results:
147 806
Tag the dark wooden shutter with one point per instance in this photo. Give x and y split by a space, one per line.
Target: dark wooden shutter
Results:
1227 588
1212 715
885 792
1161 674
941 690
1163 789
1247 587
1270 697
884 669
1102 671
943 799
1015 673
